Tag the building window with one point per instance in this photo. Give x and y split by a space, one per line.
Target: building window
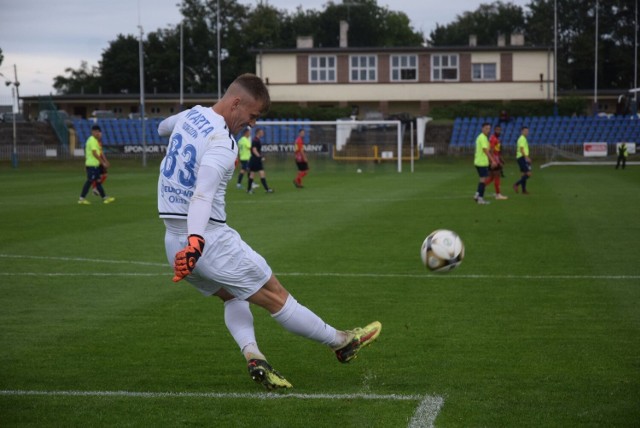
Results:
404 68
444 67
481 71
322 69
363 68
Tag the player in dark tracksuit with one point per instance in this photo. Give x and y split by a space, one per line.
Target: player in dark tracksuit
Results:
255 163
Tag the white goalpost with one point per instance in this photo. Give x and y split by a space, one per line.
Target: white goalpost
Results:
343 140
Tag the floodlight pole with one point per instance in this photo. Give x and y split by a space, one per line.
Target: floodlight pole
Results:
142 124
16 83
181 66
595 78
399 137
635 63
218 40
555 57
14 154
15 108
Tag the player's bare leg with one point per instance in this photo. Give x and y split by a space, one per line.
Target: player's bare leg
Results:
298 319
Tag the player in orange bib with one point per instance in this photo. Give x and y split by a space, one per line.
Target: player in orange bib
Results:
301 160
495 172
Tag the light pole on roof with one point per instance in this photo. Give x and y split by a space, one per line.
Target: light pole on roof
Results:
15 109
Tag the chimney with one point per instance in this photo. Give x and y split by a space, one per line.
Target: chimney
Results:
517 39
344 31
473 40
501 40
304 42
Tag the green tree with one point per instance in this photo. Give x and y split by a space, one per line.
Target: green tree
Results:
241 29
120 66
486 22
370 25
299 23
265 26
162 61
78 81
576 41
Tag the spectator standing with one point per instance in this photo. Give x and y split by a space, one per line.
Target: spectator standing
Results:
622 156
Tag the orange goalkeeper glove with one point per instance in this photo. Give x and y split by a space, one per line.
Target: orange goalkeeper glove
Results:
185 260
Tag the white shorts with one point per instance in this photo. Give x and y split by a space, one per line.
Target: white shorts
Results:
227 261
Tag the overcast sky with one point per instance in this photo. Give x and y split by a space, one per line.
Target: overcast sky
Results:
42 37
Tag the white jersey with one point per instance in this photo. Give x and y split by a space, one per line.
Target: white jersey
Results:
194 173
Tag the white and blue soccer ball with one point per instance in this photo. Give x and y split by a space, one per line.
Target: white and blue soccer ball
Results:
442 251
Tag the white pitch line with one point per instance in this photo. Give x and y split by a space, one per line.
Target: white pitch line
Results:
349 202
427 412
456 276
98 274
337 275
232 395
424 416
427 276
82 259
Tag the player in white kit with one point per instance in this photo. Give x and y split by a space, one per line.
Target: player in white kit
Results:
203 249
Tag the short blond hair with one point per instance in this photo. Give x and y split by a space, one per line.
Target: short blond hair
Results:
255 87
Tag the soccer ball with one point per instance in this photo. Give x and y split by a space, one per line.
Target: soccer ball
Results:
442 251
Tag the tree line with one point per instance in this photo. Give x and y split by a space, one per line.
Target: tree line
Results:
244 28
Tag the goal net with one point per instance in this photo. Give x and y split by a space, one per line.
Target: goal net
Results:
585 154
342 140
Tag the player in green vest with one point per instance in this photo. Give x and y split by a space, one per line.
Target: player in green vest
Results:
524 162
94 159
622 155
244 154
482 160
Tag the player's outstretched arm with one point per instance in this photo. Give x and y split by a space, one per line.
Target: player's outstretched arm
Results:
165 128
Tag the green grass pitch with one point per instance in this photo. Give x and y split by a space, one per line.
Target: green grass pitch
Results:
539 326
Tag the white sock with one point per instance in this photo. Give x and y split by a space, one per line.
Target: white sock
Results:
239 321
301 321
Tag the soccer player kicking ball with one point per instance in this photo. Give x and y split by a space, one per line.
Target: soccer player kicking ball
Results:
212 256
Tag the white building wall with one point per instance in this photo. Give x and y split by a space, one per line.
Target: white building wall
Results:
277 68
529 66
281 72
407 92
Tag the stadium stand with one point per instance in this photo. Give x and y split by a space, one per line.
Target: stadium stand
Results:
555 130
118 132
285 133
